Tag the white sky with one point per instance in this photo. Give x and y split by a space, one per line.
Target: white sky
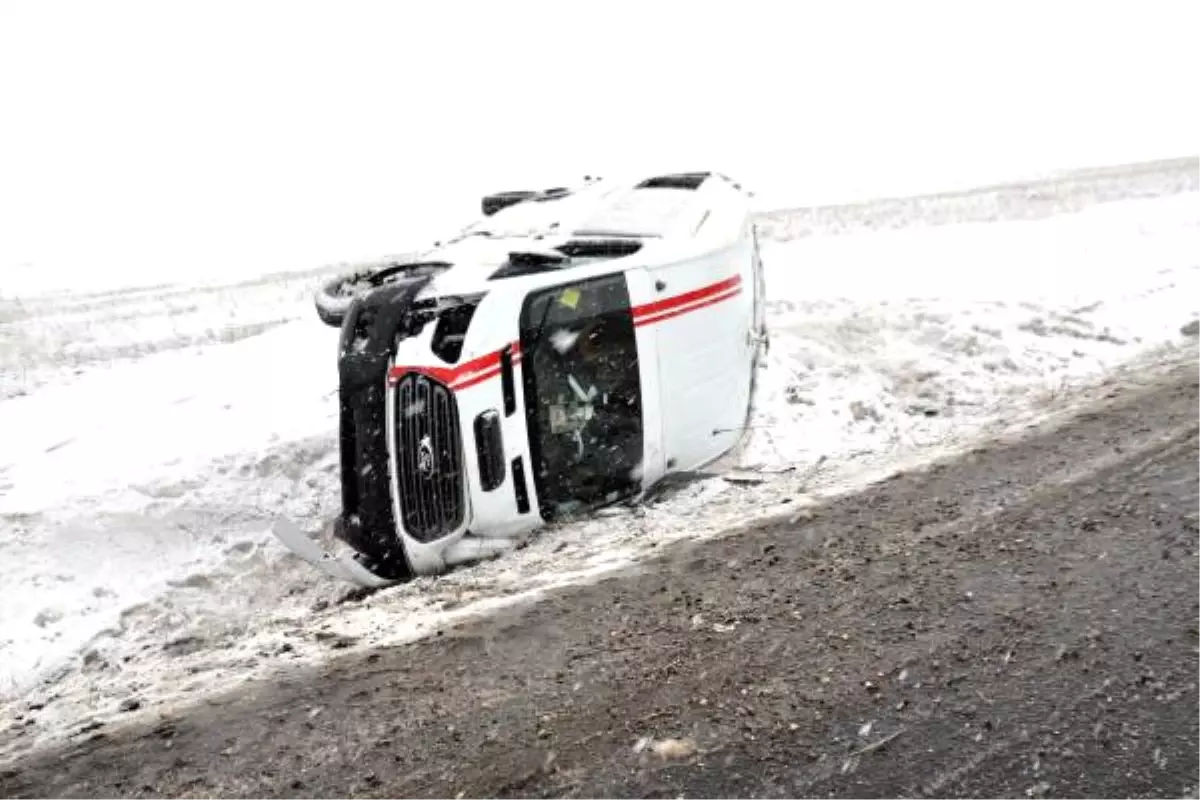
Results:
175 137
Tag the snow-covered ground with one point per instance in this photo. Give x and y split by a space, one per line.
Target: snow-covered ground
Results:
149 437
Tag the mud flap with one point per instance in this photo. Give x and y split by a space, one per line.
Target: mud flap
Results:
343 567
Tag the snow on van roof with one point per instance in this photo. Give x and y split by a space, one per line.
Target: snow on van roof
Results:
647 212
660 207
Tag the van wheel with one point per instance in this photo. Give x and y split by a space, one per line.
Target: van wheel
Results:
495 202
334 297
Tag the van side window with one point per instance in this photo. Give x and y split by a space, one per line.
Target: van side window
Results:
582 394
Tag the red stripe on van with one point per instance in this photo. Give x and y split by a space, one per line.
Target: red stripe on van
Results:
678 302
465 375
679 311
485 367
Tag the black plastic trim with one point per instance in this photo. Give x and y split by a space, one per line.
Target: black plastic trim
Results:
520 489
600 248
507 382
489 449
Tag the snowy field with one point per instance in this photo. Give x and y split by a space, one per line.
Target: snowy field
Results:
150 436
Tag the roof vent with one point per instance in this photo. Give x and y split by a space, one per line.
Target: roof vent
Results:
564 256
600 248
689 181
552 194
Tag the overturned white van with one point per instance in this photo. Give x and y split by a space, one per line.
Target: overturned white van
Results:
567 351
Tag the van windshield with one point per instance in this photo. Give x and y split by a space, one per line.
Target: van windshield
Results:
583 400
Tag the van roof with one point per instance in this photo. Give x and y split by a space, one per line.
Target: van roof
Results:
658 207
662 218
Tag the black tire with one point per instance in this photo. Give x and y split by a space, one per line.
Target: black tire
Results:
334 297
495 202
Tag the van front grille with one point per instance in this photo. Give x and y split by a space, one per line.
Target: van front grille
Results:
428 458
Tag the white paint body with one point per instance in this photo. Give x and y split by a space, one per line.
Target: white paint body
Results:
695 288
